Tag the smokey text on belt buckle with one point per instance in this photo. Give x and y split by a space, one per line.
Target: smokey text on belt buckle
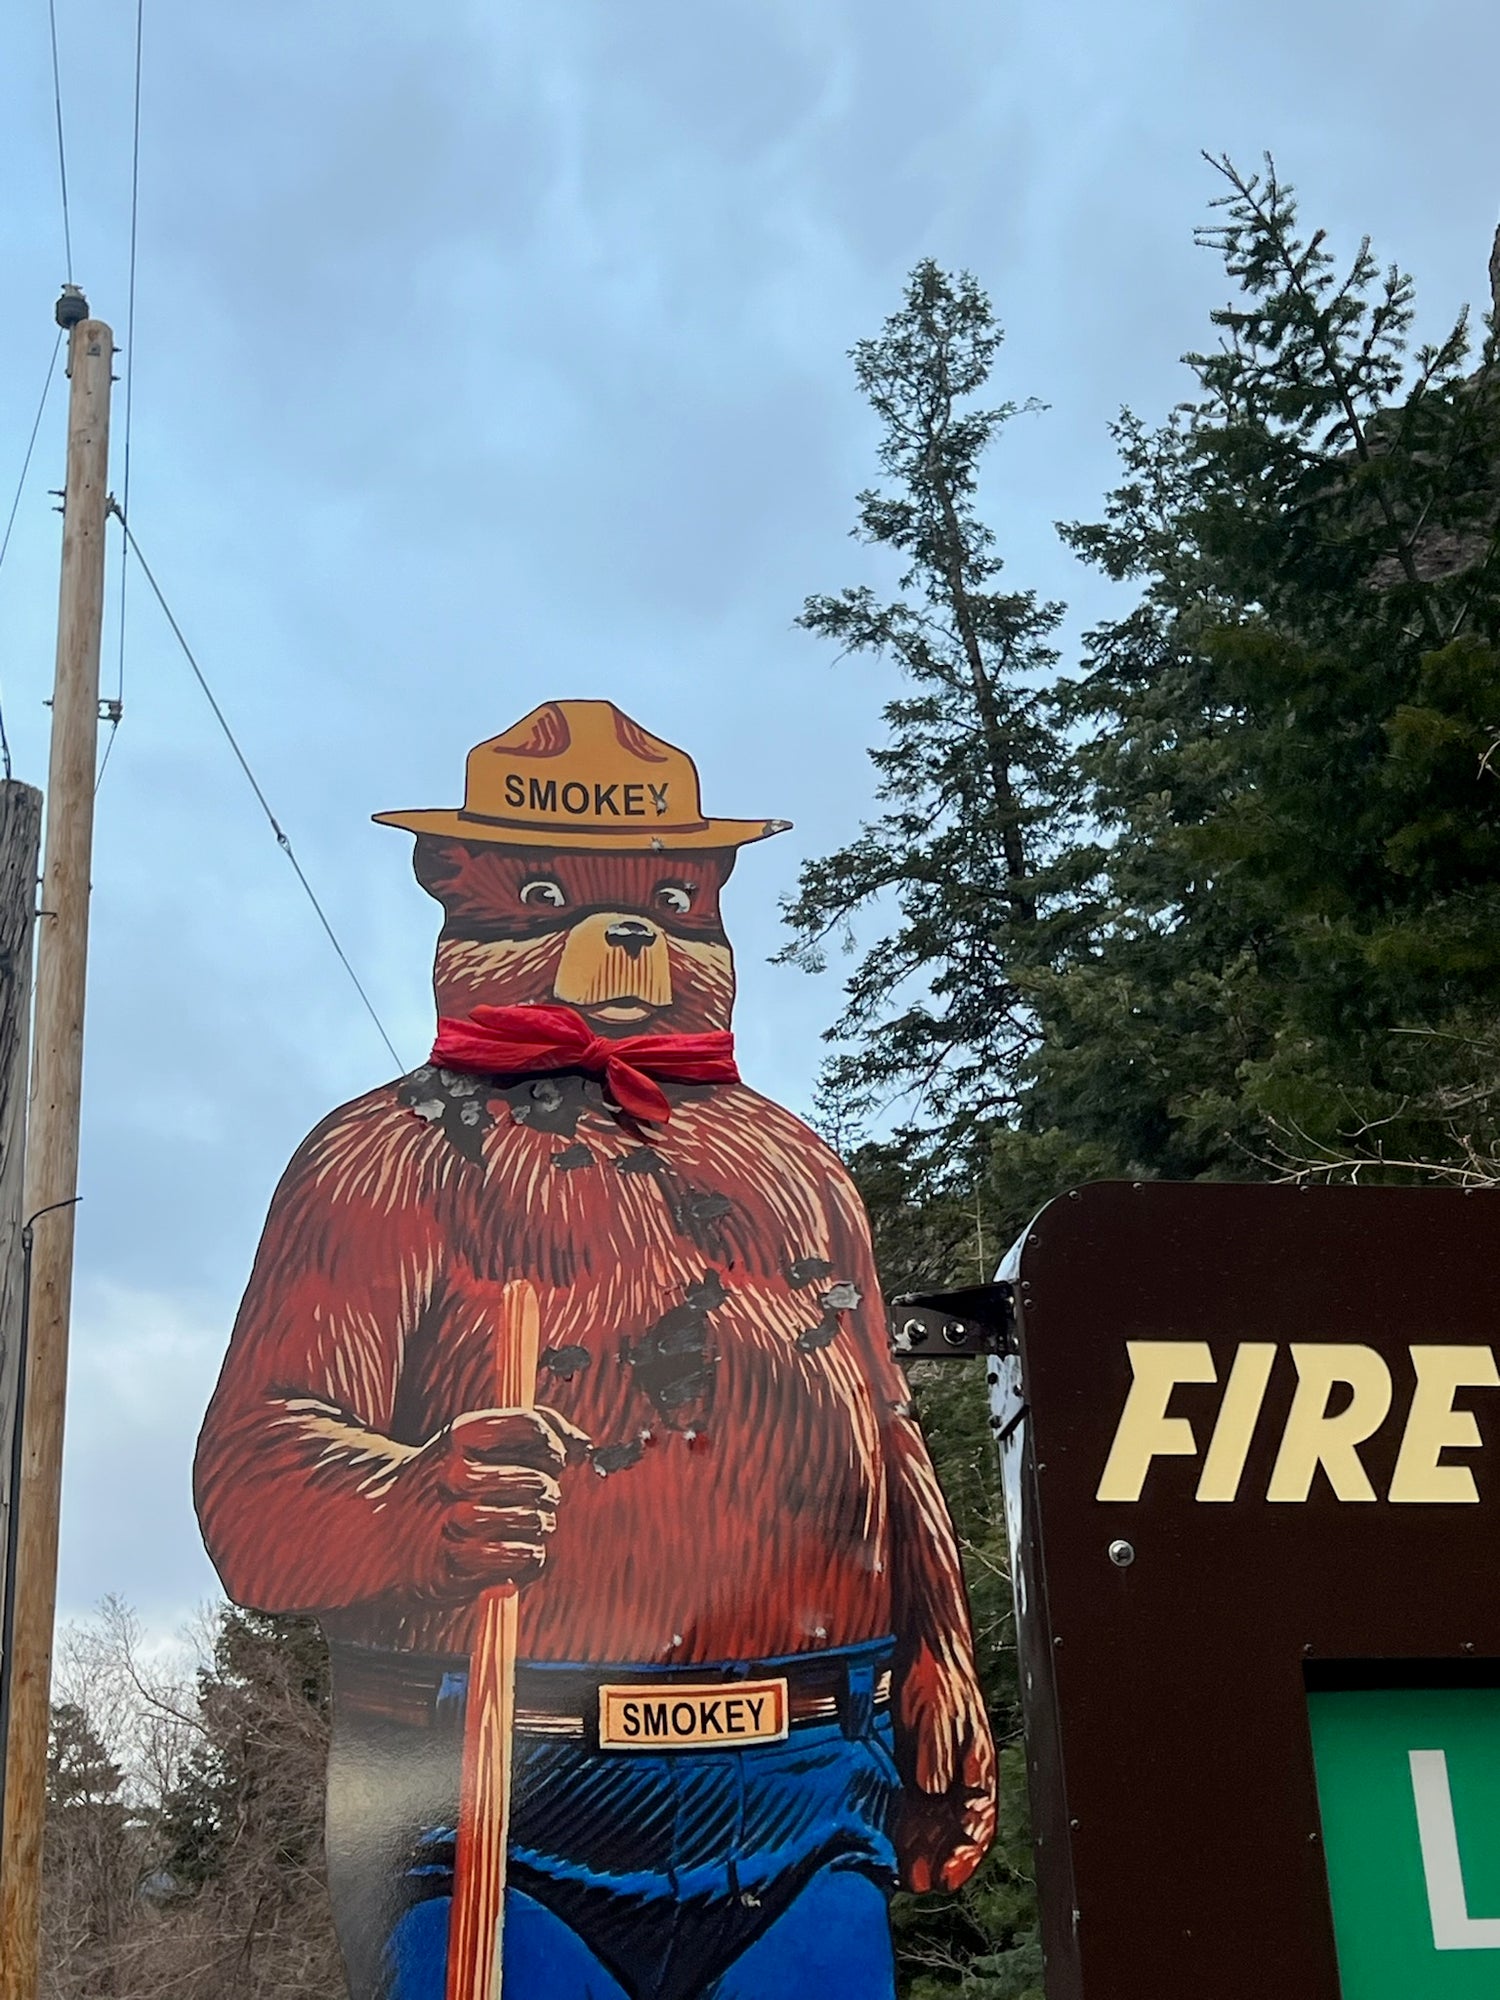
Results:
719 1715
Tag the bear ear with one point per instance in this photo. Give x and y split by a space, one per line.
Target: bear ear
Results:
440 865
467 880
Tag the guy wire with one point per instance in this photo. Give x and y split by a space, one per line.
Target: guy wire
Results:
10 520
281 839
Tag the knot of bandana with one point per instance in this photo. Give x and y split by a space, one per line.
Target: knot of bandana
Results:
526 1041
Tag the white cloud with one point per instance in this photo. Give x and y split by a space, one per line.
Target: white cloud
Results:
142 1366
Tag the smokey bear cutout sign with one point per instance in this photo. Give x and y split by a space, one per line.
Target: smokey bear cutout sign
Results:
560 1395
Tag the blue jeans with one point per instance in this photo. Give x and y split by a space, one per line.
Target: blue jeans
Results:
753 1874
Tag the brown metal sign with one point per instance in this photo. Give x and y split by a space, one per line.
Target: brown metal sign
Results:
1252 1452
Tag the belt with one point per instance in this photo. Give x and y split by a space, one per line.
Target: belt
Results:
428 1690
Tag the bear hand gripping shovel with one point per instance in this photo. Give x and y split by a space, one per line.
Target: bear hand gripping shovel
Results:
476 1925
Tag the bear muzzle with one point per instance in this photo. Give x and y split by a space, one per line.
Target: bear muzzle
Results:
614 964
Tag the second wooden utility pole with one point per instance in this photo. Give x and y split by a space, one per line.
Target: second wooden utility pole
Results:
20 844
52 1138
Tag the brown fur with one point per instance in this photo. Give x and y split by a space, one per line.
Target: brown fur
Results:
764 1492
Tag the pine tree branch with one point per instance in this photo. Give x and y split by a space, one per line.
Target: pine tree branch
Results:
1294 271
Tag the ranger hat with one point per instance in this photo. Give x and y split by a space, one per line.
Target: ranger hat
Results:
582 774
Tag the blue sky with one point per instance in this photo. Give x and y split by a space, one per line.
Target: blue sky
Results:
498 353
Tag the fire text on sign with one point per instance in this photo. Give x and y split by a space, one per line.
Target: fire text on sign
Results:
1343 1394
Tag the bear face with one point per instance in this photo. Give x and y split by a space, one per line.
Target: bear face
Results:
633 942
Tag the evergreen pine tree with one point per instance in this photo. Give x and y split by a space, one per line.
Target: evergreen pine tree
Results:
954 867
1270 939
92 1847
1292 948
251 1791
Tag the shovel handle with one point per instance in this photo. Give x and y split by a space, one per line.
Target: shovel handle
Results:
477 1920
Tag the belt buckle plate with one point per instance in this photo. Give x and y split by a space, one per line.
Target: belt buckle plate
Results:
712 1715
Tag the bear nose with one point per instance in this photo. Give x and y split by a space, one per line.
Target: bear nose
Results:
631 935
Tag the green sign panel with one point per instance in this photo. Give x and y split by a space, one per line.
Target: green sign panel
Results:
1409 1790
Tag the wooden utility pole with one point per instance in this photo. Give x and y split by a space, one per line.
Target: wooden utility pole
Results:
52 1138
20 841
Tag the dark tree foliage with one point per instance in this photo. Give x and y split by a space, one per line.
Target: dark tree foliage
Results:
1292 954
1270 937
1269 941
92 1845
980 1942
955 863
184 1821
257 1768
82 1777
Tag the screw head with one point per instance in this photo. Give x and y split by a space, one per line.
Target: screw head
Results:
1121 1554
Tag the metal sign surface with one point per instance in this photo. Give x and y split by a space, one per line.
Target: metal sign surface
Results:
561 1395
1252 1456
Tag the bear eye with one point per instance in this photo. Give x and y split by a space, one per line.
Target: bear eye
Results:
543 891
676 896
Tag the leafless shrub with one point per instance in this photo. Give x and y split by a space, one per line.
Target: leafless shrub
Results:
1461 1124
184 1852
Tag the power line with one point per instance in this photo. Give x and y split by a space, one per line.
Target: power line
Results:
62 157
31 445
281 839
10 521
115 711
135 209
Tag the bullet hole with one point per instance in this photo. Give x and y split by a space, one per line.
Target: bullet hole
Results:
696 1214
806 1271
608 1458
451 1102
701 1208
840 1298
694 1211
823 1334
552 1103
565 1362
671 1359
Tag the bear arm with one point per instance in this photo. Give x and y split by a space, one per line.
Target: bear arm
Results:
295 1464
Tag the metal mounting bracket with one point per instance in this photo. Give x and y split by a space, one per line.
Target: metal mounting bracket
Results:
953 1326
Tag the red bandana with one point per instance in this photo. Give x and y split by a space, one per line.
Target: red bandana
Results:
524 1041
